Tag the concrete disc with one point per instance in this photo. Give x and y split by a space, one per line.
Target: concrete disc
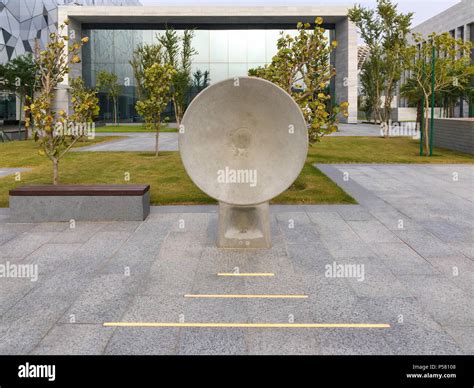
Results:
243 141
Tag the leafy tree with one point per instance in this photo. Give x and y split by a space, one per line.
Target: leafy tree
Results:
411 90
385 31
19 77
53 65
144 56
452 69
450 96
84 101
107 83
157 80
178 54
302 68
370 78
201 80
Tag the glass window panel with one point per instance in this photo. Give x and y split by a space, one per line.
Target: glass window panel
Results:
86 75
238 46
256 46
123 45
103 51
201 45
86 49
237 70
272 37
218 46
97 67
224 53
146 37
124 74
199 66
218 72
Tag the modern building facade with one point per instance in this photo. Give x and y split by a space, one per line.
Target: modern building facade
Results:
229 41
458 20
25 22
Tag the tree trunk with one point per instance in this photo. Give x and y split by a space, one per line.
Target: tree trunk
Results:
378 118
157 143
177 113
386 116
55 171
19 120
386 122
115 112
419 113
378 115
427 126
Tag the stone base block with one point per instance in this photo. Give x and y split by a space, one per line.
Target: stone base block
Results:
244 226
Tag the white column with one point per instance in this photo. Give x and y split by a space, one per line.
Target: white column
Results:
346 67
62 100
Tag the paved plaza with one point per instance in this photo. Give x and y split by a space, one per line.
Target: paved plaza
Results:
134 141
411 235
360 129
11 171
145 141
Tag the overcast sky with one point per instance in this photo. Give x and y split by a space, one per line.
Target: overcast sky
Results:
423 9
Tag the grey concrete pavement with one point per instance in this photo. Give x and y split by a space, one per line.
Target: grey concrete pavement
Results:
11 171
359 129
134 141
418 278
145 141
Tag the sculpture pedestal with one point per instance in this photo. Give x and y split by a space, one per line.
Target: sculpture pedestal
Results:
246 226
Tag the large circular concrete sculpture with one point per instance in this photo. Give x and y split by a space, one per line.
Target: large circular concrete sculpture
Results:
243 141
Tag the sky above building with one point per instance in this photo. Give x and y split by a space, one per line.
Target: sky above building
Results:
423 9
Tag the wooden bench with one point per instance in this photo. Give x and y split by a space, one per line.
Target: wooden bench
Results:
80 203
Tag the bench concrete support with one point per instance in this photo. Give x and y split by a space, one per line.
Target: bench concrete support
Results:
102 203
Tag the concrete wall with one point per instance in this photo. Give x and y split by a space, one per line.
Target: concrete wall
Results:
460 14
346 67
454 134
409 114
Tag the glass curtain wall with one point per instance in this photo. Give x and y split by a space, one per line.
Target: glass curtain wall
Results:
223 53
7 106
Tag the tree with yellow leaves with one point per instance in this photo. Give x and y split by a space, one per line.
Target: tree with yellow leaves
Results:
53 65
302 68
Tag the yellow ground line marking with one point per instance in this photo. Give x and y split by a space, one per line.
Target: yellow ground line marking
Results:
265 296
246 274
251 325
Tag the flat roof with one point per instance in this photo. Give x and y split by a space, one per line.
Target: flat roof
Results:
213 15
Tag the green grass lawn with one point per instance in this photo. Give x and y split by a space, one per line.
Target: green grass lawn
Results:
132 128
171 185
354 149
